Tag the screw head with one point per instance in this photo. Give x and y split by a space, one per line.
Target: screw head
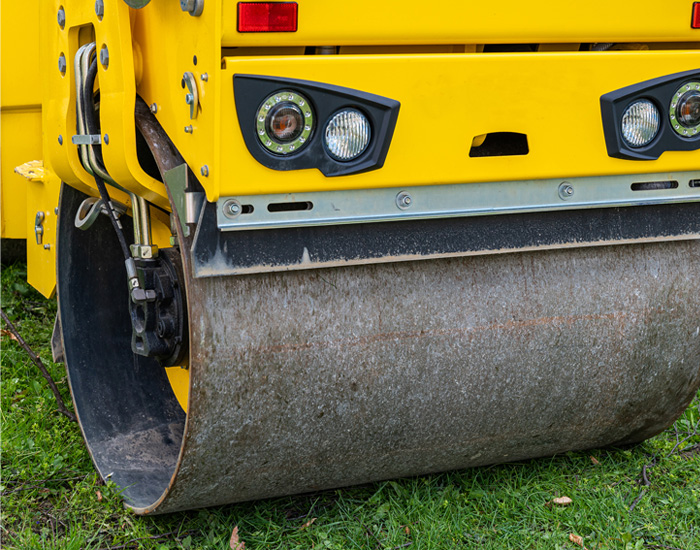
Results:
232 208
61 17
189 99
566 191
104 56
99 9
189 129
62 66
205 170
154 108
106 139
404 200
60 140
205 77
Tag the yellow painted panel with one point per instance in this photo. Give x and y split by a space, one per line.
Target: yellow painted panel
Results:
554 98
19 54
323 22
42 197
21 142
20 94
179 379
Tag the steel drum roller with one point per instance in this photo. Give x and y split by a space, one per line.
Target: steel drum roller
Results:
314 379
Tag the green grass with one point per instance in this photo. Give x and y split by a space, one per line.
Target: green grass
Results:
52 498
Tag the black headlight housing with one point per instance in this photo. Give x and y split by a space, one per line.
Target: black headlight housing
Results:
664 93
252 92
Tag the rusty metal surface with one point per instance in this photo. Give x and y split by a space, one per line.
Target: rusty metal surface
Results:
309 380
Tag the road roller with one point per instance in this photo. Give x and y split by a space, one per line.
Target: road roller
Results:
301 245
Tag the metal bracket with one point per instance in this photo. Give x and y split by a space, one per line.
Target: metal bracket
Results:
192 97
187 204
451 201
92 139
32 170
91 208
39 227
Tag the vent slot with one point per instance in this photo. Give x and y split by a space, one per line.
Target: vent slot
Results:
289 206
694 183
499 144
654 185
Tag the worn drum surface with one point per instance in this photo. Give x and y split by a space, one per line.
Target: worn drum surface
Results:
325 378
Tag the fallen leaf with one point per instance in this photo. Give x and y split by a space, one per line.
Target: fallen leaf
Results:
8 333
408 531
235 544
577 540
307 524
595 461
99 496
562 501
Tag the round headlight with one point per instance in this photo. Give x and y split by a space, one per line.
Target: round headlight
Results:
640 123
685 110
347 134
284 122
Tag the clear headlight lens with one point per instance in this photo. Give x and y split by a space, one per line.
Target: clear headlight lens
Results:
685 110
347 134
640 123
284 122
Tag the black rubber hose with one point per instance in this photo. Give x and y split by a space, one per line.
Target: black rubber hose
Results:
102 188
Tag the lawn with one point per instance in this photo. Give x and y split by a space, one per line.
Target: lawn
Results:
644 497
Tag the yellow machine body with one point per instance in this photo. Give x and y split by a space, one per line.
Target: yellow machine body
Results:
460 70
550 95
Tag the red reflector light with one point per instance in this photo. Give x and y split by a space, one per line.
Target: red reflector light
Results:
267 17
695 22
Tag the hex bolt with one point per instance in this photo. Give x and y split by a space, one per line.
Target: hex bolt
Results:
104 56
566 191
404 200
189 98
189 129
99 9
60 139
205 77
47 247
61 17
154 108
62 66
205 171
232 208
193 7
